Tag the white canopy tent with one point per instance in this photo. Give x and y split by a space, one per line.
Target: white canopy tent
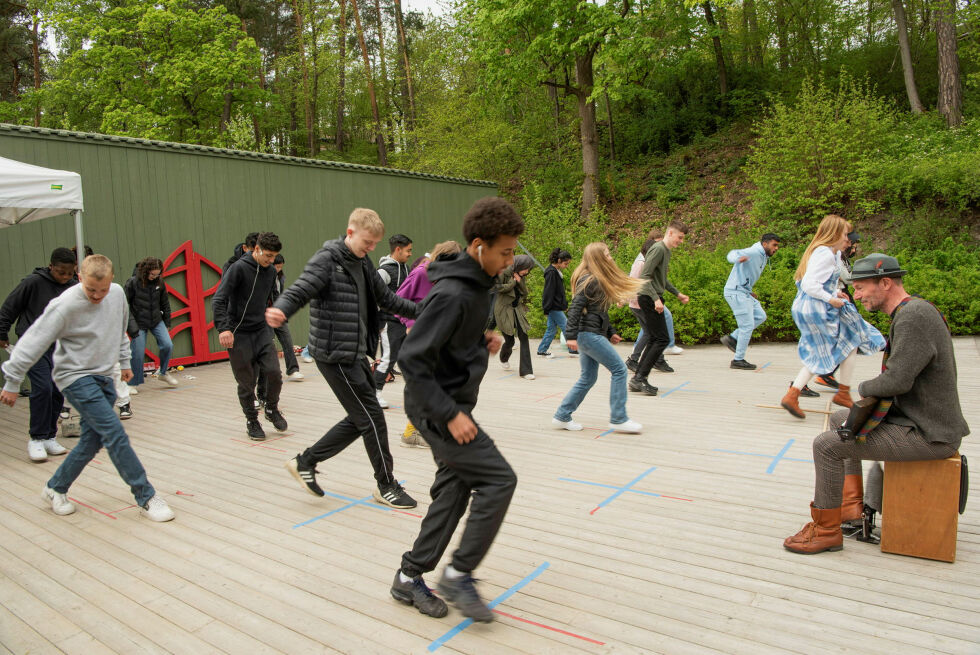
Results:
30 193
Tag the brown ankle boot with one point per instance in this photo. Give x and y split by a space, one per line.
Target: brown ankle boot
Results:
791 402
843 396
852 505
823 533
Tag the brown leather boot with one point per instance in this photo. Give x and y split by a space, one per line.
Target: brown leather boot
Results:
791 402
823 533
852 505
843 396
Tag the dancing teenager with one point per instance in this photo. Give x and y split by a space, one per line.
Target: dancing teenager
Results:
510 310
24 306
393 270
642 338
748 264
344 291
597 284
832 331
553 300
149 312
87 325
844 268
924 421
444 360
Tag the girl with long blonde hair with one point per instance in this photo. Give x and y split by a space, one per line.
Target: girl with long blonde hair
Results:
831 329
597 284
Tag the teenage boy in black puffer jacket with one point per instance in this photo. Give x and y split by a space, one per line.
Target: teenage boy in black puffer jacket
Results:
444 359
344 291
239 307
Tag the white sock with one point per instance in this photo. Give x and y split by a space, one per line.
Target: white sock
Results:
453 574
404 578
846 372
803 378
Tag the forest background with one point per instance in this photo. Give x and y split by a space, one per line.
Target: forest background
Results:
599 119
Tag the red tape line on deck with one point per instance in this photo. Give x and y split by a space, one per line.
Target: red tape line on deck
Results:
548 627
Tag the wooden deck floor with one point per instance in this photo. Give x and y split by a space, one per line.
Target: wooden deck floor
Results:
665 542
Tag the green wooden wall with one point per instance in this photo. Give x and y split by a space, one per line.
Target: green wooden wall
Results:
145 198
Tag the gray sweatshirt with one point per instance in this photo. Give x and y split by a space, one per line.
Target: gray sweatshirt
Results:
91 338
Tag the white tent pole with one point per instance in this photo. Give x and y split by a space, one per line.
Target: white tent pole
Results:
79 240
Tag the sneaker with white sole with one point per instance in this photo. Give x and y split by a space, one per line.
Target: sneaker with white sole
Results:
505 365
381 400
629 427
673 350
305 475
60 504
169 380
157 509
125 412
296 376
529 376
36 450
65 413
134 391
569 425
414 440
52 447
394 495
307 359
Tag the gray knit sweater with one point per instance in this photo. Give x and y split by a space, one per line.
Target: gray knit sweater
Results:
920 375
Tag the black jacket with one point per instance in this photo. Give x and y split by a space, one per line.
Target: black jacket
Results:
27 301
588 313
553 297
444 357
240 302
335 322
147 305
395 274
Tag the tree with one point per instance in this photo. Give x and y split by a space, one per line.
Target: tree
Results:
907 68
950 89
409 91
378 134
719 51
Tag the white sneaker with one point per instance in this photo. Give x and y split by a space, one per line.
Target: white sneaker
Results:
307 359
529 376
673 350
52 447
60 504
134 391
505 365
157 509
295 376
169 379
36 450
629 427
569 425
381 401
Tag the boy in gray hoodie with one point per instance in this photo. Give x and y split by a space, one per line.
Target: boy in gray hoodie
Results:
88 322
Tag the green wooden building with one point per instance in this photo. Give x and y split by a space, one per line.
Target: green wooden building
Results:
149 198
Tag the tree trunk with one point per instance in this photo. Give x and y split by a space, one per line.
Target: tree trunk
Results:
755 43
587 130
782 38
342 55
719 52
907 69
950 90
36 53
612 131
403 43
378 136
307 109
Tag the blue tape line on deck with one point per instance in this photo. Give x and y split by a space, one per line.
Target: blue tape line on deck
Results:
764 365
667 393
775 458
367 501
438 643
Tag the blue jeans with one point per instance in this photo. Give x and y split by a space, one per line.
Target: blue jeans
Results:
748 315
93 396
46 400
556 321
595 349
138 347
641 338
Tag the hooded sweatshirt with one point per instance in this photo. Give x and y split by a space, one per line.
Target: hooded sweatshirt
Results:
394 274
444 357
415 288
27 301
240 302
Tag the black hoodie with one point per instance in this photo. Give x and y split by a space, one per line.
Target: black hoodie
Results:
28 300
444 357
240 302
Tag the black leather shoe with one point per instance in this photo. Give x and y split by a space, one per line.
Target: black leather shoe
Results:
744 365
641 384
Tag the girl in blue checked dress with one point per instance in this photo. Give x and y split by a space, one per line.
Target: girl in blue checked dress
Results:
831 329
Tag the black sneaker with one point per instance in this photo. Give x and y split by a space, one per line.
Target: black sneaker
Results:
274 416
416 592
546 354
574 353
663 366
255 431
807 392
461 592
632 364
125 412
728 342
394 495
742 364
641 384
828 381
306 476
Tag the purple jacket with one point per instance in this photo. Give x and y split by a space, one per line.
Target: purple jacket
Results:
415 288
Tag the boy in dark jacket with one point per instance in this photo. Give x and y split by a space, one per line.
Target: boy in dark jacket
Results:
24 305
444 359
239 307
344 291
554 303
393 270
